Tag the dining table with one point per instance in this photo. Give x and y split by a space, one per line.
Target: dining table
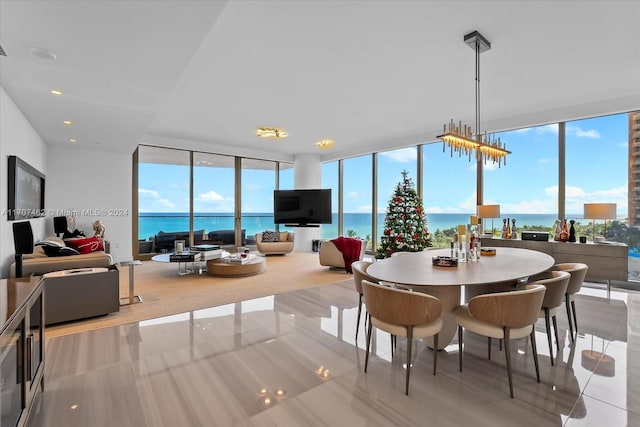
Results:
503 270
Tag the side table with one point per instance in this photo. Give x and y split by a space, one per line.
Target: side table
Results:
132 298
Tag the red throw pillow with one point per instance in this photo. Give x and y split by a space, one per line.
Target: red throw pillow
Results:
85 246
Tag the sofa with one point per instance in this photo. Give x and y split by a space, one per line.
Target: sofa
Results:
226 237
283 246
165 241
81 293
39 263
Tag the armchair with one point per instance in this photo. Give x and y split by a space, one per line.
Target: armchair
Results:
331 256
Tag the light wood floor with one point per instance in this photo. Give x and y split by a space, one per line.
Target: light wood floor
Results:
224 366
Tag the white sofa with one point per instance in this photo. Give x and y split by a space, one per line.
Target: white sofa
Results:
281 247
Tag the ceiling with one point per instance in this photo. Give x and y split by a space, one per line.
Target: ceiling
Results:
371 75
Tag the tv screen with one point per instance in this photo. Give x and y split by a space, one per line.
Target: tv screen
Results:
302 207
26 190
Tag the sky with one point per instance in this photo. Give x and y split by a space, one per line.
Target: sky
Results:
596 171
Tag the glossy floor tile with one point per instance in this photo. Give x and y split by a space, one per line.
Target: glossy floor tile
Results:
291 360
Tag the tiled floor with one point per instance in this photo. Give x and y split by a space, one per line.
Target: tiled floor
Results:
290 360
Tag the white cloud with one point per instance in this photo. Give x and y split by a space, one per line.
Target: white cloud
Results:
487 167
403 155
569 191
543 161
580 133
364 209
552 128
150 201
352 195
211 196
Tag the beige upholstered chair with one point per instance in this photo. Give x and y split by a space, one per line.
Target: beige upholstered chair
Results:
359 274
502 315
403 313
556 288
578 272
330 256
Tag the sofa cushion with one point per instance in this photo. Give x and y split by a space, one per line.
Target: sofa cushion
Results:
284 236
86 245
270 236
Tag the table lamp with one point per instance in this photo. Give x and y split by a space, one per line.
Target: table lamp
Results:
489 211
595 211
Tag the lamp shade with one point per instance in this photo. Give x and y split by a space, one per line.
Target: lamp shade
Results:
599 211
489 211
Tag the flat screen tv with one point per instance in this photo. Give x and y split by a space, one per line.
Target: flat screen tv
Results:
302 207
25 192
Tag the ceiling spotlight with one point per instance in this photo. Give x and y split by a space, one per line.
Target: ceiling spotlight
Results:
325 143
67 123
57 92
271 133
42 53
73 140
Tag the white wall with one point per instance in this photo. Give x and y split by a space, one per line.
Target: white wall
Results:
307 175
92 185
17 138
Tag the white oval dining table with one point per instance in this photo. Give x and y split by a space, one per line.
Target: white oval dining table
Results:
416 271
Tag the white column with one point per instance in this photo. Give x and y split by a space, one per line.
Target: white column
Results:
307 174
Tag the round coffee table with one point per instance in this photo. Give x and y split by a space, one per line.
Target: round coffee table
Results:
224 268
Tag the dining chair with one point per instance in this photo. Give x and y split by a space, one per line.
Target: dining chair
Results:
503 315
554 295
578 272
360 273
404 313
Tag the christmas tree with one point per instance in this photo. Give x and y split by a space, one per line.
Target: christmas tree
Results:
405 224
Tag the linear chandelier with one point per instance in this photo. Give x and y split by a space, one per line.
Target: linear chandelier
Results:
461 139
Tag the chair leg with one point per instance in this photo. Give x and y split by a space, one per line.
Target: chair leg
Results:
358 321
534 347
409 344
488 348
555 329
366 358
575 318
547 323
507 355
459 347
567 302
435 353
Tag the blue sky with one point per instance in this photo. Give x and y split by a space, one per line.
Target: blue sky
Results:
597 167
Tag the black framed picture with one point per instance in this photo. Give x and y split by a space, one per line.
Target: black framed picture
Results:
26 190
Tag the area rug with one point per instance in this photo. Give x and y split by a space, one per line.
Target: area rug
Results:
164 292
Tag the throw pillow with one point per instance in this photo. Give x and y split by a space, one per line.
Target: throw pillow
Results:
51 241
53 250
270 236
87 245
284 236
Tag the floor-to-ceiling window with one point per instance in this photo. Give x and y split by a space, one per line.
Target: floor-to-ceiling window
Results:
448 191
357 196
163 193
330 180
526 188
258 182
391 164
213 193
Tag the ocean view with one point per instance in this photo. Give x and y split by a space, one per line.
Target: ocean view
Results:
151 223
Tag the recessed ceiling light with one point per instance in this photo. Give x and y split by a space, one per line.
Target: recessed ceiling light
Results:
57 92
73 140
67 123
42 53
325 143
271 133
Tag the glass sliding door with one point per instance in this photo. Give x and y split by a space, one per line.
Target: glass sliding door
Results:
163 198
214 198
258 182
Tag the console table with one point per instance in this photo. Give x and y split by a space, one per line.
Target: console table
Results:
21 347
606 261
